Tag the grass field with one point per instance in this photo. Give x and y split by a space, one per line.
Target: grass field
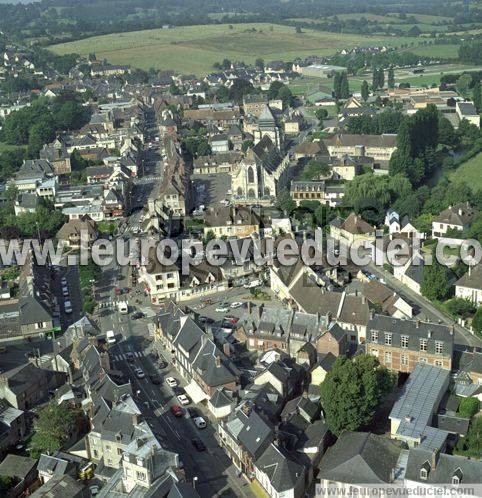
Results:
469 173
447 51
194 49
6 147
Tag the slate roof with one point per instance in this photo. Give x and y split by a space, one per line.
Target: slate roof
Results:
183 490
347 140
256 434
283 471
414 330
467 361
446 467
17 466
360 457
220 398
461 215
472 279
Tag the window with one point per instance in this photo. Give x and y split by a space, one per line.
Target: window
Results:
404 360
388 357
422 359
250 175
170 275
140 476
423 344
423 474
455 480
439 347
375 336
388 339
404 341
438 363
374 352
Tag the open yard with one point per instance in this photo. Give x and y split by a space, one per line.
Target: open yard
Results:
194 49
469 173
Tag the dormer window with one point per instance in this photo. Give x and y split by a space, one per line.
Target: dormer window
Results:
424 470
457 477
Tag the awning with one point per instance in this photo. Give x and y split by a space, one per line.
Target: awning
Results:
195 392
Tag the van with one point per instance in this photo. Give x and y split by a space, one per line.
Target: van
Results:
252 284
110 337
123 307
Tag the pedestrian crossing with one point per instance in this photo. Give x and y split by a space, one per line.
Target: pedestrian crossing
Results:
123 357
132 228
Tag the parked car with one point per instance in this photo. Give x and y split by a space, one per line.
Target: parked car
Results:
183 399
231 318
200 423
177 411
63 281
192 412
118 291
222 308
236 304
68 307
252 284
137 315
171 381
198 444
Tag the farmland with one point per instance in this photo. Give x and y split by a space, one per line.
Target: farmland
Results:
194 49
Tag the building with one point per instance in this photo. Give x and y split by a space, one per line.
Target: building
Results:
320 70
262 174
469 286
219 144
23 472
352 229
413 413
266 126
467 111
454 218
77 232
329 195
229 221
403 344
379 147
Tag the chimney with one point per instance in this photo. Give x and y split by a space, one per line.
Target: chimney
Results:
434 461
249 307
217 361
260 310
226 349
417 324
429 334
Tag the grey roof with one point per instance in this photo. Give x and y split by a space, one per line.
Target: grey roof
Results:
467 361
183 490
360 457
418 403
447 466
52 465
220 398
455 425
267 154
17 466
414 330
59 487
256 434
32 310
27 201
467 109
283 471
472 279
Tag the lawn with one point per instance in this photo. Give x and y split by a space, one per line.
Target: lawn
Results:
194 49
448 51
469 173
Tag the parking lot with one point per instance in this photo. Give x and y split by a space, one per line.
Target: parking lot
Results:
211 189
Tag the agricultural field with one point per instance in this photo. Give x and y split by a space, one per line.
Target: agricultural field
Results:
448 51
469 173
194 49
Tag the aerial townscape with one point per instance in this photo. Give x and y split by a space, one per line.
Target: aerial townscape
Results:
240 248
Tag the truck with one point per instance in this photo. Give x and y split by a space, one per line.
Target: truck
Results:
123 307
110 337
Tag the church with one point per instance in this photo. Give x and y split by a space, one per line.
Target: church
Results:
262 174
266 126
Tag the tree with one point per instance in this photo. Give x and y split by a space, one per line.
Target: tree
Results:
286 96
285 202
477 321
468 407
435 283
446 132
352 391
337 85
477 96
53 428
6 482
471 444
210 235
247 144
239 89
259 64
365 92
174 89
344 87
298 29
381 78
314 169
391 77
463 83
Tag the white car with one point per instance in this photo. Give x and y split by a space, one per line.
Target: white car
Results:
183 399
68 307
222 308
139 373
63 282
200 423
171 381
65 291
94 490
236 304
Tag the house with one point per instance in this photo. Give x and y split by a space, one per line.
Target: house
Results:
25 203
324 365
279 474
469 286
358 459
317 190
230 221
467 111
379 147
309 149
413 414
219 163
403 344
286 376
333 341
13 427
78 232
22 470
436 472
385 301
454 218
219 143
56 153
352 229
61 486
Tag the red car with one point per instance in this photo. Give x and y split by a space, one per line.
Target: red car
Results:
118 291
177 411
231 319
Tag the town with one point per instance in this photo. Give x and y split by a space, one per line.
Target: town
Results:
233 378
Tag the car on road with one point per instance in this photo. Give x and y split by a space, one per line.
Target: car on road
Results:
198 444
118 291
155 379
63 281
110 337
65 291
252 284
231 318
177 411
129 356
171 381
68 307
222 308
236 304
94 490
200 423
137 315
192 412
183 399
139 373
